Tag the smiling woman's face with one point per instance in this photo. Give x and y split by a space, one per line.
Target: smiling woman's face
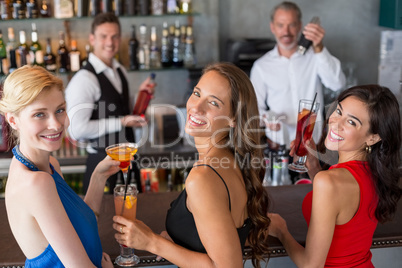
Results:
209 107
43 123
349 127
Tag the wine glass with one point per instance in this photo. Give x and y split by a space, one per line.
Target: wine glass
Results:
306 117
125 203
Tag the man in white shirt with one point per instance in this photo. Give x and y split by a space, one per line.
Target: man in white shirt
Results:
98 96
283 76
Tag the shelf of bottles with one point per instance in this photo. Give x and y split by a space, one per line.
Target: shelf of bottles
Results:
147 49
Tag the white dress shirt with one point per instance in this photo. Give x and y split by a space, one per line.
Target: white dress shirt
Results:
82 92
280 83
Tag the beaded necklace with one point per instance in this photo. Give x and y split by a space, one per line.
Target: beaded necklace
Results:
24 160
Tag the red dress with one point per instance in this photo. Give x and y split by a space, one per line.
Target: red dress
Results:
351 242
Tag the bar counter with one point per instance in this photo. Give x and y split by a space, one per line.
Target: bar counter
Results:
152 208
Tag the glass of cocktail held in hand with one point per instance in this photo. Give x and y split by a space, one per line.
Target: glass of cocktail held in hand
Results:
125 197
307 115
125 203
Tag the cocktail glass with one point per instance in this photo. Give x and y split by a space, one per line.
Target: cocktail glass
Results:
125 203
307 115
123 152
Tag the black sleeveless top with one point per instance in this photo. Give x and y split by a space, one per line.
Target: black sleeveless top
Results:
181 227
111 104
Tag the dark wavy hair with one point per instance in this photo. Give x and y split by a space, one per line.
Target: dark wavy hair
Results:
245 145
384 159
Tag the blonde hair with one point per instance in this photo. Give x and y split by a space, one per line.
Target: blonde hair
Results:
23 86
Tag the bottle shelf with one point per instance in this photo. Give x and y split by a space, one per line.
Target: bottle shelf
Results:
91 18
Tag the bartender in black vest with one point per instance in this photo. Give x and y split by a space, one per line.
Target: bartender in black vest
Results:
98 97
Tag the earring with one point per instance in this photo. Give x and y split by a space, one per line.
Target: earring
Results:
368 149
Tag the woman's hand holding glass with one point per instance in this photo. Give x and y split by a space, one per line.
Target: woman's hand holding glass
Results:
312 162
133 234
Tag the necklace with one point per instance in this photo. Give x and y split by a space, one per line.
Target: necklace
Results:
24 160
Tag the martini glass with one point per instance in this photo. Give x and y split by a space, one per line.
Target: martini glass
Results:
123 152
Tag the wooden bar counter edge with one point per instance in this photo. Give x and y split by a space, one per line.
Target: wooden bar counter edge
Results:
152 209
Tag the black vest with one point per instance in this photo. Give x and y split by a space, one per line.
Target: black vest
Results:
111 104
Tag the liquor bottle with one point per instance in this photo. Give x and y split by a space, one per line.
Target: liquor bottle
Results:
143 99
154 56
36 51
148 188
172 7
177 57
12 48
133 49
169 183
5 8
107 6
2 73
62 51
303 44
189 55
75 57
85 59
23 50
3 50
18 9
171 40
32 10
82 7
157 7
143 7
166 59
119 7
185 6
45 10
130 7
63 9
3 54
50 58
143 51
95 7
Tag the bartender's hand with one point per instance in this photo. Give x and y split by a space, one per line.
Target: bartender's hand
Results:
312 162
106 261
148 85
133 234
315 33
133 121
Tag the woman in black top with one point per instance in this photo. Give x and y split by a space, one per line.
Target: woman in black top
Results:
224 202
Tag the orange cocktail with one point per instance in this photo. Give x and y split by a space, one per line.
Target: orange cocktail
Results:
125 203
122 152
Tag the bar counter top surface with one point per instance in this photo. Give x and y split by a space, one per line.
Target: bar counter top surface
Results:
152 209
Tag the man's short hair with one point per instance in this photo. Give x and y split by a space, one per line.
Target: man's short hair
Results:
286 6
102 18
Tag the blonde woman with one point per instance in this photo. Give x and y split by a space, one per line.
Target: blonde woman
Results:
53 226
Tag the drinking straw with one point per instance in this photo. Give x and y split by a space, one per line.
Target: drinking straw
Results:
308 120
125 190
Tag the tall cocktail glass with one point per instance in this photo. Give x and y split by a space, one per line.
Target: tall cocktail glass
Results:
125 203
307 115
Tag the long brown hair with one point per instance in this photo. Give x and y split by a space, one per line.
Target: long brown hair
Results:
245 145
384 159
